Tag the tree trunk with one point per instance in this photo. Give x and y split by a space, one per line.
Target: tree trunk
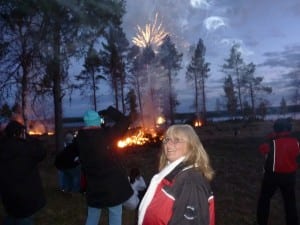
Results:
196 96
171 98
239 92
122 95
57 91
203 99
24 93
94 91
252 101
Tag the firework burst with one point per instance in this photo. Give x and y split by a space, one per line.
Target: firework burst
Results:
152 34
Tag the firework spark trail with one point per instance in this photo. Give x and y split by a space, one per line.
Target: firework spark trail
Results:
152 34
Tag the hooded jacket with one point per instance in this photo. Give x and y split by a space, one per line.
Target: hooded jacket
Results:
107 184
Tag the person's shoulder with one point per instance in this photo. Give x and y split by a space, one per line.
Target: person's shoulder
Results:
192 177
191 174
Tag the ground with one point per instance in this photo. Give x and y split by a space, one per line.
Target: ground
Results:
232 148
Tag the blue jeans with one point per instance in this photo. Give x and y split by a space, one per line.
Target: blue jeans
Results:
69 179
61 178
72 179
114 215
17 221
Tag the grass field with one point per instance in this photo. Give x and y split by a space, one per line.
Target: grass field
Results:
235 159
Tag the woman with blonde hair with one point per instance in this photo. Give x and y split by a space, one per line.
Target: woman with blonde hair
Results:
180 192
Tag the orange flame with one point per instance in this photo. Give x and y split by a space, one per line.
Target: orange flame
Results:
37 128
160 120
36 132
198 123
141 137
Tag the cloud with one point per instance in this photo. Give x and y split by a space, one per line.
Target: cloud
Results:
213 23
295 8
242 48
200 3
288 58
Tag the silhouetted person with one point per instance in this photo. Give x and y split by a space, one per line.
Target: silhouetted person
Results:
68 164
281 152
107 185
21 188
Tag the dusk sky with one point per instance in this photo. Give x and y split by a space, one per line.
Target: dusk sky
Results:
268 32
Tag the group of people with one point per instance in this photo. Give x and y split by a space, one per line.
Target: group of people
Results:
179 194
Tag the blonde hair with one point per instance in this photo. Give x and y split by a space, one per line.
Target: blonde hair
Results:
196 156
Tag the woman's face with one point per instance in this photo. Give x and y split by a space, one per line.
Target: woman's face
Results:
174 148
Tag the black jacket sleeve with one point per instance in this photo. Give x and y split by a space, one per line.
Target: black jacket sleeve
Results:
191 203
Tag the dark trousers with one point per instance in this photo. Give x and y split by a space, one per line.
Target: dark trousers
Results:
286 184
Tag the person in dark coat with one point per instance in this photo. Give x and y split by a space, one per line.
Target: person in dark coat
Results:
107 185
68 165
21 187
280 151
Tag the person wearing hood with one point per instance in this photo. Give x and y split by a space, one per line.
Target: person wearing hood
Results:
21 189
107 185
280 151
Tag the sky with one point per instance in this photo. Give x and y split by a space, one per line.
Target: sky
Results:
268 32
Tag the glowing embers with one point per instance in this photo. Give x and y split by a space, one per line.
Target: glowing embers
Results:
138 137
35 132
38 128
160 120
198 123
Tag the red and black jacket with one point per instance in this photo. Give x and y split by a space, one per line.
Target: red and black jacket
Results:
281 153
183 197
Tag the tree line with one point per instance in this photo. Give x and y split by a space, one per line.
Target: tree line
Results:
41 38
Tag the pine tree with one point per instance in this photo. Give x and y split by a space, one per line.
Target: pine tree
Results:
197 74
171 60
65 29
253 86
230 95
283 106
234 66
114 54
90 76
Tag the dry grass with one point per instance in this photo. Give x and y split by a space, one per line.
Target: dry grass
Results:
235 159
